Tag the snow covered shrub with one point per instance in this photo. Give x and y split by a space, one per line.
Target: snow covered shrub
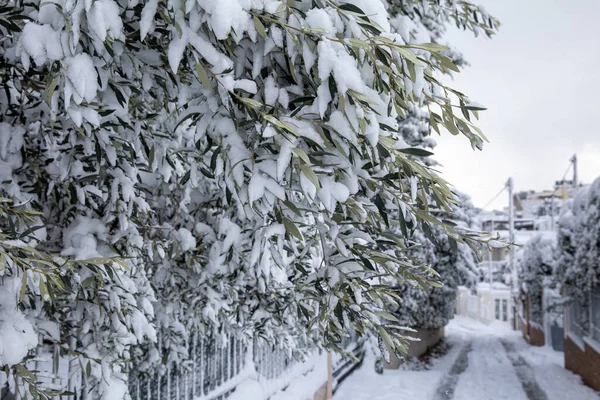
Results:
536 268
244 158
455 263
578 254
45 300
573 272
566 270
588 249
17 262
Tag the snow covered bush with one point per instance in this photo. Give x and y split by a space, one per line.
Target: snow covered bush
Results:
578 238
244 158
43 300
427 307
578 253
587 255
536 267
455 263
568 230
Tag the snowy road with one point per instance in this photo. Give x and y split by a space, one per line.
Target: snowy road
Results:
484 363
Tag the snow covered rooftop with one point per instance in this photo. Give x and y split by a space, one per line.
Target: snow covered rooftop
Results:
522 237
494 286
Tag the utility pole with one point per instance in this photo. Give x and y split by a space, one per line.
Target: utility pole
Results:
574 161
552 208
490 258
511 212
511 236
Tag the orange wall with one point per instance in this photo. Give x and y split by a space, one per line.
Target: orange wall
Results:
536 336
531 334
585 363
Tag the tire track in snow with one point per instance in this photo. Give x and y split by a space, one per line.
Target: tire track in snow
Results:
524 373
445 390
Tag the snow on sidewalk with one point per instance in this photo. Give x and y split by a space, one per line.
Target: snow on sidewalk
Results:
492 352
550 374
490 374
366 384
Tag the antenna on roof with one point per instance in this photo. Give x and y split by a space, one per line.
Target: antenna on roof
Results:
574 162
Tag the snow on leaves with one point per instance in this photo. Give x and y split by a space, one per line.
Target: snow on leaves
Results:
536 269
578 254
455 263
245 158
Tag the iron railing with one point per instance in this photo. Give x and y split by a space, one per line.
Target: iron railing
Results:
575 319
212 370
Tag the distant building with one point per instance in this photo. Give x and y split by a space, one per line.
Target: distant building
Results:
543 206
490 303
495 269
501 224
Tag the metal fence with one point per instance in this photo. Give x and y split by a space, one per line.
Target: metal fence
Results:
576 317
344 365
212 371
552 305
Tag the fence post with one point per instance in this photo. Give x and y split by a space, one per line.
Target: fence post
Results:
329 376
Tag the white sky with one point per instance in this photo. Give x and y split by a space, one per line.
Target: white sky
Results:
540 79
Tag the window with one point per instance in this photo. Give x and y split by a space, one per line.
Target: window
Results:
497 308
504 310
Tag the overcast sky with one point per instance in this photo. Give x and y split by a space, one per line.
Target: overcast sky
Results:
540 79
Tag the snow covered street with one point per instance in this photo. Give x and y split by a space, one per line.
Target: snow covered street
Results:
483 363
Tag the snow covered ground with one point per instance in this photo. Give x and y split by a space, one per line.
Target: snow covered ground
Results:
483 363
